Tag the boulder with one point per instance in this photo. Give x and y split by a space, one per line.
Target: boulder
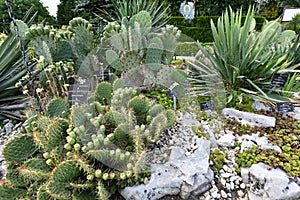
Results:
182 175
271 184
249 118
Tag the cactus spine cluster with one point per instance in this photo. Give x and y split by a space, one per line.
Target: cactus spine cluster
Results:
97 150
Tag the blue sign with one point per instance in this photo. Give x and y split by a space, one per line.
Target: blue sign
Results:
187 10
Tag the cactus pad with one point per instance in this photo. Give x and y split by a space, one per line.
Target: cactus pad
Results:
7 193
103 93
57 108
55 132
66 171
140 105
20 148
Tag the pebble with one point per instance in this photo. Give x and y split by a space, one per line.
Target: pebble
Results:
214 194
226 175
223 194
243 186
227 169
231 186
233 178
223 182
228 186
240 193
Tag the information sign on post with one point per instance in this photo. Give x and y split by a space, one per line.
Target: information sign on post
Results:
207 105
279 79
78 93
285 107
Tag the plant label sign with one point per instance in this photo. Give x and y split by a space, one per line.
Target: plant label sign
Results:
279 79
102 75
78 93
207 105
285 107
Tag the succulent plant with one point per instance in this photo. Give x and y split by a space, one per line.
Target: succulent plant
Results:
103 92
57 108
99 149
138 53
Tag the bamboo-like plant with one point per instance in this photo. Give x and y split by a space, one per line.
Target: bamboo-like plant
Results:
242 59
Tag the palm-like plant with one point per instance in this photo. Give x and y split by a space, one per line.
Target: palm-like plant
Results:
241 58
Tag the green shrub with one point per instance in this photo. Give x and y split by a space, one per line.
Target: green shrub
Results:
199 28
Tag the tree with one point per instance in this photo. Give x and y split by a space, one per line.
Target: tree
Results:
88 9
65 11
20 7
210 7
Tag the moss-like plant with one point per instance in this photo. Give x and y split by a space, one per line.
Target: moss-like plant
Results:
163 98
218 158
286 135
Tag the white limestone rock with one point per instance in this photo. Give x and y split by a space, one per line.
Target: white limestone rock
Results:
260 106
249 118
271 184
181 175
226 140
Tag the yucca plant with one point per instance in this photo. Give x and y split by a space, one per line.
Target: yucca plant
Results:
158 10
11 70
242 59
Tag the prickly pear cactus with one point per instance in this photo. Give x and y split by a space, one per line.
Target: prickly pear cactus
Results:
143 56
103 92
99 149
20 148
57 108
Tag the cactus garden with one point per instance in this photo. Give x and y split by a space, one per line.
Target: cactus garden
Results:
111 107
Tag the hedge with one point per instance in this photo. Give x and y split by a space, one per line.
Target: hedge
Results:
188 48
199 28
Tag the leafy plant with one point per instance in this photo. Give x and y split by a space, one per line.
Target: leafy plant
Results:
98 150
242 59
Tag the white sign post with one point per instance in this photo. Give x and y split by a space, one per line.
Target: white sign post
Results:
289 13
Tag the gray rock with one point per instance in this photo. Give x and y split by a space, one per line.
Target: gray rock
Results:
262 142
271 184
295 114
181 175
260 106
8 127
249 118
245 174
226 140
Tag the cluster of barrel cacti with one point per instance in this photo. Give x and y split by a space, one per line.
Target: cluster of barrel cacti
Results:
88 154
138 52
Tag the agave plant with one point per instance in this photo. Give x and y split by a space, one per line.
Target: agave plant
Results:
243 59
